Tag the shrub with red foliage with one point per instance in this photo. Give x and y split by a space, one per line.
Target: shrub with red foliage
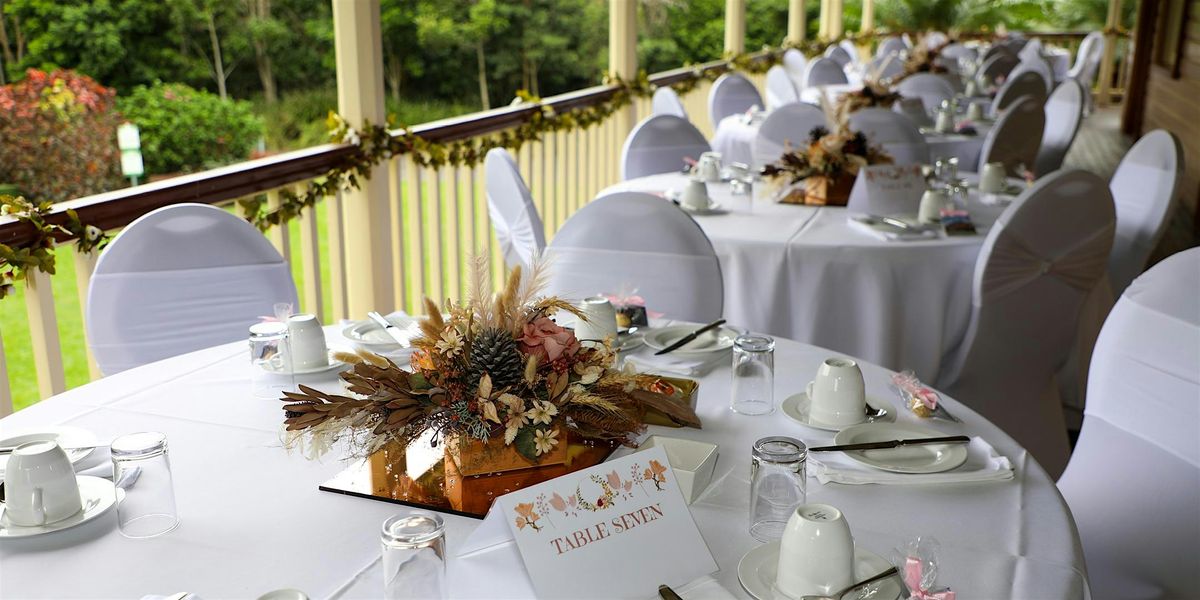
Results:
58 135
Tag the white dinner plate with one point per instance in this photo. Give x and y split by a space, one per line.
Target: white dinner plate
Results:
98 495
66 437
758 568
796 408
368 335
625 343
715 340
921 458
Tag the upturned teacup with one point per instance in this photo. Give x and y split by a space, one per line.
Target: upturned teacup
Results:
837 396
816 552
599 320
307 342
39 485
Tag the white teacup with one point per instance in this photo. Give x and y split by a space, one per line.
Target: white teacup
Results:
837 396
945 121
991 179
816 553
599 322
932 203
709 166
695 195
39 485
971 90
975 111
307 342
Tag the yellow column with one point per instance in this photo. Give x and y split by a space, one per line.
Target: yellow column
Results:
735 27
835 19
359 53
797 27
1104 95
868 16
823 20
622 54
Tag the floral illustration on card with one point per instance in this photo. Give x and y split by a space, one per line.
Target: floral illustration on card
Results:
566 506
527 516
656 473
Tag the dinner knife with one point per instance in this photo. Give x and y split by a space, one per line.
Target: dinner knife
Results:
9 449
396 333
691 336
666 593
950 439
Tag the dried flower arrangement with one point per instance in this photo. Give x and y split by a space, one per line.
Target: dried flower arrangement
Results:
873 94
495 368
923 59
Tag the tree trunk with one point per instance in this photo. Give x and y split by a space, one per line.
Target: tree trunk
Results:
393 75
261 10
9 58
483 86
218 61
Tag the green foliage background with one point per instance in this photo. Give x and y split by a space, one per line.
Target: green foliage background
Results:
184 129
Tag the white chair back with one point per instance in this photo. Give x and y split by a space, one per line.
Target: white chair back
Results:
731 94
996 67
955 51
1133 483
1064 112
1020 85
932 89
1037 65
914 109
181 278
1032 49
780 89
1087 61
886 66
659 144
789 124
897 133
1039 262
851 50
666 102
933 39
891 45
839 55
1015 138
1144 186
629 240
794 63
824 71
514 216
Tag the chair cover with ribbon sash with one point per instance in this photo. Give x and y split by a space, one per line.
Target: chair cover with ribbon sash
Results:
1015 138
659 144
1025 84
666 102
178 279
1133 483
897 133
891 45
839 55
780 89
634 240
1039 262
824 71
1144 187
996 68
789 124
514 216
794 63
1064 112
932 89
1038 65
731 94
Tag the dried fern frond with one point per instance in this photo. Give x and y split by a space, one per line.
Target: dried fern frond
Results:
480 295
433 324
536 280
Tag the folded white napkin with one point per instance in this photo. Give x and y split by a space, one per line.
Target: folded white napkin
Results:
671 364
891 234
983 464
704 588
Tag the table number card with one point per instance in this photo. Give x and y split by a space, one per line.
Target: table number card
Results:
616 530
888 190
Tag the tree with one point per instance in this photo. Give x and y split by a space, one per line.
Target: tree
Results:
211 18
265 33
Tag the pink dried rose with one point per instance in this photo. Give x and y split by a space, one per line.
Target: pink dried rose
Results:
546 340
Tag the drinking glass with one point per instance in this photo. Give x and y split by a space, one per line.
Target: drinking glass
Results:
777 485
753 375
269 349
141 468
414 556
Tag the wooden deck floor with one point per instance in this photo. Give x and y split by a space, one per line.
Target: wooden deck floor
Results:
1100 144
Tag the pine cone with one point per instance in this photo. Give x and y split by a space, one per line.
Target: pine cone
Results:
494 351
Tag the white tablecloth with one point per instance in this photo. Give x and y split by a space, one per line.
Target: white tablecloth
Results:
253 519
804 273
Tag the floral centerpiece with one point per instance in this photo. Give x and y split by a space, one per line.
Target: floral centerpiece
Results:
923 59
826 167
872 94
495 379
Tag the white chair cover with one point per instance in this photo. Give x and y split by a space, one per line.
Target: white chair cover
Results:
794 63
824 71
787 124
666 102
659 144
891 45
178 279
1039 262
1037 65
1064 112
955 51
731 94
1133 483
629 240
1020 85
933 39
996 68
780 89
1015 138
850 49
514 216
839 55
1144 187
914 109
1087 60
932 89
886 66
898 134
1032 49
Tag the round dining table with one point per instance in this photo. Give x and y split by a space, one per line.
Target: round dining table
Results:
253 520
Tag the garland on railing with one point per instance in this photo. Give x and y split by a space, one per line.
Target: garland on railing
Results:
38 254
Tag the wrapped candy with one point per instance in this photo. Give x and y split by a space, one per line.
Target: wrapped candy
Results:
631 309
917 397
918 564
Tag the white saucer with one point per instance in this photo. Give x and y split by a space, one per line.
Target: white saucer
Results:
796 408
716 340
625 343
98 496
333 364
713 208
928 458
368 335
66 437
759 567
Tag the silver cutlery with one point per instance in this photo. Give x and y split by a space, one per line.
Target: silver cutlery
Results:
9 449
396 333
838 595
950 439
872 412
691 336
666 593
